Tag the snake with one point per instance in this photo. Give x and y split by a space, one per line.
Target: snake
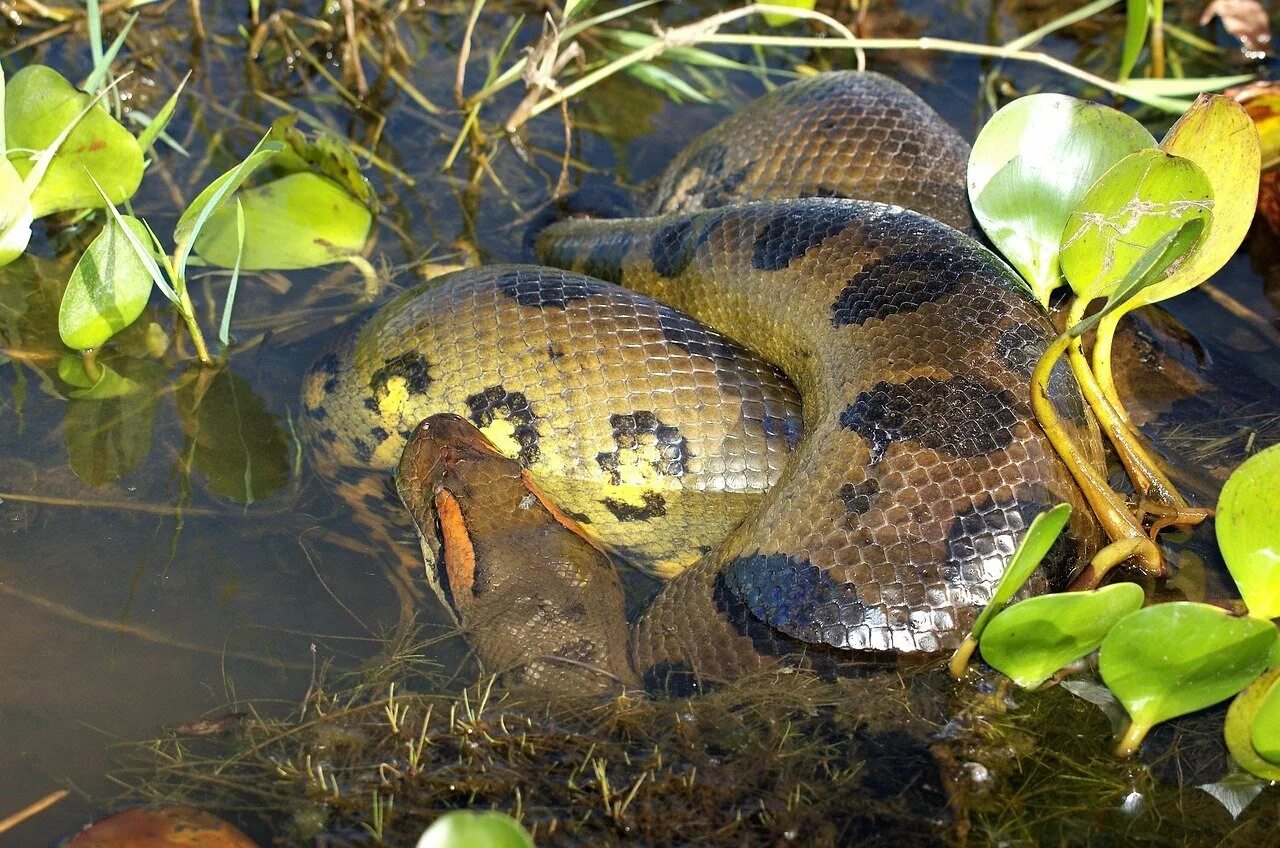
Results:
795 387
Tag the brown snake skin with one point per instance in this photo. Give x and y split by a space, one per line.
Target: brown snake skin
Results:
909 343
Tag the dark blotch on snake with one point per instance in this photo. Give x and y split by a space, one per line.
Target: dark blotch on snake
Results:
544 288
496 403
800 598
857 497
655 505
988 533
411 366
790 233
960 416
903 282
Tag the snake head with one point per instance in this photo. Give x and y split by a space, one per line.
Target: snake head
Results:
429 468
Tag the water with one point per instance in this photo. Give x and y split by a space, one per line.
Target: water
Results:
145 580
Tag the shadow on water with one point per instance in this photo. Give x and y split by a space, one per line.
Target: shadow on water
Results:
170 567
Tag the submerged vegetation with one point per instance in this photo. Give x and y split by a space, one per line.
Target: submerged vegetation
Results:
375 758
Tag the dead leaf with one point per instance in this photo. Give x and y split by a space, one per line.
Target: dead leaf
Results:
1246 21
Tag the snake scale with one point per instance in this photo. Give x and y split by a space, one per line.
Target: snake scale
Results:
801 311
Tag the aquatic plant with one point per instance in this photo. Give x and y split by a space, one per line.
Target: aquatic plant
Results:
1126 221
1168 659
468 829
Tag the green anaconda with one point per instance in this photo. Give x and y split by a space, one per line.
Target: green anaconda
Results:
819 228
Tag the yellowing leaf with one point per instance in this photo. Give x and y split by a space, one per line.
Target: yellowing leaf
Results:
1217 134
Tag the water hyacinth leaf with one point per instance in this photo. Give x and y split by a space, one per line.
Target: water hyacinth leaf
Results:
1030 166
233 438
109 383
1171 659
1218 135
39 105
214 195
15 226
1043 532
1149 269
108 289
299 221
1266 725
1248 528
1031 640
325 154
777 19
1144 196
468 829
1242 722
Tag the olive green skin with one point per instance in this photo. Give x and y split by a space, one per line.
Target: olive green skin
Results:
919 462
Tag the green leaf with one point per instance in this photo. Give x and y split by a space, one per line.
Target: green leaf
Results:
1030 166
1031 640
15 232
215 194
108 384
576 8
224 331
325 154
660 79
108 289
1218 135
232 436
1248 527
1171 659
299 221
39 105
777 19
1040 536
1266 725
1244 721
468 829
1137 22
102 63
1140 199
1151 267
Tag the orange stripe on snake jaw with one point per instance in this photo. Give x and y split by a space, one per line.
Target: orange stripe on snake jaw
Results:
459 554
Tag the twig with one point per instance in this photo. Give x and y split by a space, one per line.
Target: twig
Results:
32 810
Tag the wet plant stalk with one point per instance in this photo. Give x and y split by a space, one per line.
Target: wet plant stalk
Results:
188 312
1143 469
1112 512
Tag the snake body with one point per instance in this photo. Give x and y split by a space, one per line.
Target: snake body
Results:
917 462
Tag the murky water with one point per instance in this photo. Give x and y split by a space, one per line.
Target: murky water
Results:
163 559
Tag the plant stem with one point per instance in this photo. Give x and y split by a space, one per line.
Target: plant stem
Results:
372 282
1104 337
1112 512
1157 38
1132 739
960 659
1142 468
188 312
89 358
